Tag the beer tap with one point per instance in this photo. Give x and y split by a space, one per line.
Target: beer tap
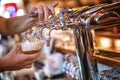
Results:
41 30
101 16
62 20
48 36
100 20
47 25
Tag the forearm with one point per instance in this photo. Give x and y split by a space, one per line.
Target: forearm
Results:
16 24
20 24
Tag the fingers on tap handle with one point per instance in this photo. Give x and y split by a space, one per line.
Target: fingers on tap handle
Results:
40 12
33 12
51 7
46 13
43 11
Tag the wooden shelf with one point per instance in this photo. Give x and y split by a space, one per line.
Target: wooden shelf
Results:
113 50
107 34
109 59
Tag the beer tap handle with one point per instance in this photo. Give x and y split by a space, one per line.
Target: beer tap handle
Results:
62 20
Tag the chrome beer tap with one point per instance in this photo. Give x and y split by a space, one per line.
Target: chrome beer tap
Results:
48 36
101 16
62 20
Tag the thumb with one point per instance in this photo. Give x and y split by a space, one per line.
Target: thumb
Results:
17 47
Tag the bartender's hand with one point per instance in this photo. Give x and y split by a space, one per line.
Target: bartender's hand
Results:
16 60
21 23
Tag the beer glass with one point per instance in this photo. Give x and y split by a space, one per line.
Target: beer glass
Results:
32 41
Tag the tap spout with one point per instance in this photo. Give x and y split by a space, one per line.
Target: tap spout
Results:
48 36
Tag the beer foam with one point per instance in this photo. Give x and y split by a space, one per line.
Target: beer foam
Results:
31 46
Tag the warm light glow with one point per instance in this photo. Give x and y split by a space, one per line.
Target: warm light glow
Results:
57 11
105 42
6 14
1 10
9 1
20 12
117 43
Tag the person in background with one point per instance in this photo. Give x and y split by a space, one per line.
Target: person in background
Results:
15 59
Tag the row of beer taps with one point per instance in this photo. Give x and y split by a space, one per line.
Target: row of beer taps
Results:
94 17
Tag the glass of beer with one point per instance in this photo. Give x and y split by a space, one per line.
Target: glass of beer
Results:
32 41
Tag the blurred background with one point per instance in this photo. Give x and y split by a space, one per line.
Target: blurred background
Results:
48 66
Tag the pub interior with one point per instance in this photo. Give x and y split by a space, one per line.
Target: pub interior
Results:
84 46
